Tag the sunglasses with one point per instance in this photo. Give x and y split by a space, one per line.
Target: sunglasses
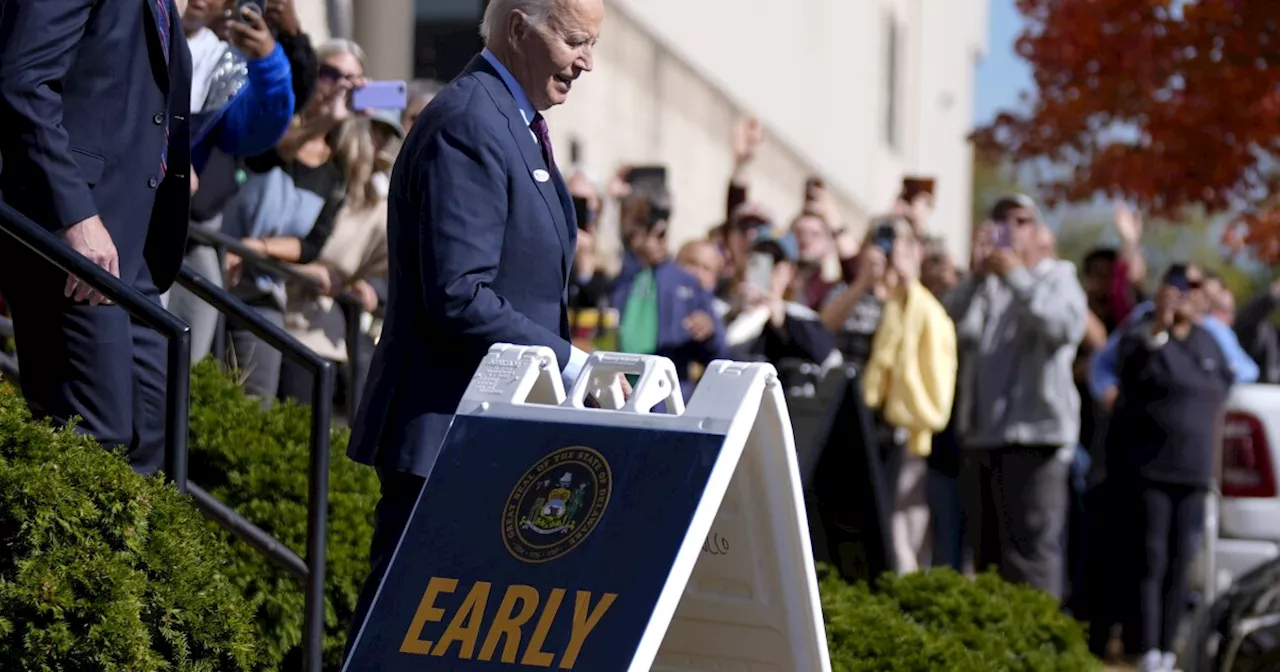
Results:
332 74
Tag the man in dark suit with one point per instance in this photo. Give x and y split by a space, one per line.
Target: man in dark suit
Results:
482 233
94 101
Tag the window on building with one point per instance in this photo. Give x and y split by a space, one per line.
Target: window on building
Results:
892 84
446 36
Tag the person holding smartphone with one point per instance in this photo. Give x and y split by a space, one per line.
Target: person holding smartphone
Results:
1160 450
1019 320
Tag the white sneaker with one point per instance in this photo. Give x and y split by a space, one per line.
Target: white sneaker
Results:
1170 661
1152 661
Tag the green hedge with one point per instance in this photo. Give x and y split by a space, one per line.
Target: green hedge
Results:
101 569
940 620
255 461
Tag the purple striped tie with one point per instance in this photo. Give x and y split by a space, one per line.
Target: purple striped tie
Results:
539 127
163 25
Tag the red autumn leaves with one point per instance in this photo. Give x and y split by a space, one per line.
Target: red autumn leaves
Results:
1165 103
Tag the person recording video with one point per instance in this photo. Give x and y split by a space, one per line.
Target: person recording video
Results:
664 309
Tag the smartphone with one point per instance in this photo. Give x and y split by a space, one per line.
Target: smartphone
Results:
1002 236
380 95
648 178
1177 277
760 271
583 212
255 4
884 238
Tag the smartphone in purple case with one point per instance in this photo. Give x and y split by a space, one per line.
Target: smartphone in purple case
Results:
380 95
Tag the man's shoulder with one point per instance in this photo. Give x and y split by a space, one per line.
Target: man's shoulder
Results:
466 105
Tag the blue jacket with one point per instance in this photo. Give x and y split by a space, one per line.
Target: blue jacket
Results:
1104 370
481 234
255 119
679 296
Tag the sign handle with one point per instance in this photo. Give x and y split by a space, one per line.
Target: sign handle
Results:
657 383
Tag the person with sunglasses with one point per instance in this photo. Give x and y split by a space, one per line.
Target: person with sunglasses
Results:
1103 379
1173 382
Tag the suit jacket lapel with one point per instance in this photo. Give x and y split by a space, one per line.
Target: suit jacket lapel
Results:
532 156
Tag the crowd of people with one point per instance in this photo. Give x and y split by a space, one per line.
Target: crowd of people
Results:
1053 421
1047 419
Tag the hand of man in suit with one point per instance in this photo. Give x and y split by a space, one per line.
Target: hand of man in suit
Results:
90 238
251 36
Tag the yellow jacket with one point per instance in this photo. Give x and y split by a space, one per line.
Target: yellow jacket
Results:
911 374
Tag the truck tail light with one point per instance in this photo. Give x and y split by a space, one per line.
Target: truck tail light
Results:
1247 469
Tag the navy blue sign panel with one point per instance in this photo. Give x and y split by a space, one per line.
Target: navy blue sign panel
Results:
537 545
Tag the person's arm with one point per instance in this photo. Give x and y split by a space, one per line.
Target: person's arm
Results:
834 314
1054 305
258 117
461 232
965 310
1241 364
299 134
714 347
805 334
1095 332
1104 378
38 41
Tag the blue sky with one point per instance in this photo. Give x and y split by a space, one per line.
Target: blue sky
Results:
1001 75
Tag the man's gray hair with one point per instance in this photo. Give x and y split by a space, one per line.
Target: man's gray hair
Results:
497 13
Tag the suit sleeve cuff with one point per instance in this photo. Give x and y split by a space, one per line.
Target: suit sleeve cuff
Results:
572 369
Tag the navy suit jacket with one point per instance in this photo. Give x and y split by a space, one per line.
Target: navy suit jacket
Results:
679 296
85 96
479 254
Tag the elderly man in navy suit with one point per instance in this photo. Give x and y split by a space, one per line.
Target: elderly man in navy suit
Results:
482 234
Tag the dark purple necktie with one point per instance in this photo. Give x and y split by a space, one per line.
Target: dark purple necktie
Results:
163 25
539 127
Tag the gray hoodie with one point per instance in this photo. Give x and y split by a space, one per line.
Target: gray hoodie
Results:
1017 339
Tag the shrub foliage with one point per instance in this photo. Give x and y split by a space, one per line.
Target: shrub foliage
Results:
940 620
255 460
101 569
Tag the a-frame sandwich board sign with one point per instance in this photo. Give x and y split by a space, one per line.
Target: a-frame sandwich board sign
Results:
550 535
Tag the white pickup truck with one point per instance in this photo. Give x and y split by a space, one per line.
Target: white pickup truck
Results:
1243 529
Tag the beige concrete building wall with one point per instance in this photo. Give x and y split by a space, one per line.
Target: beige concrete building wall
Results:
643 105
672 76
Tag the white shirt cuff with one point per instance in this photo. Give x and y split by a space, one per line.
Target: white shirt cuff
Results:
577 359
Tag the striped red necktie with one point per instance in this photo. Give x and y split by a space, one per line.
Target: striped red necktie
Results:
163 25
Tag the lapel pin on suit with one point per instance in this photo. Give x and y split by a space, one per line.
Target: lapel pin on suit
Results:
541 175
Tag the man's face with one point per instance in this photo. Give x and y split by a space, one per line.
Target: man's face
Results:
554 54
703 261
651 246
198 13
1097 280
812 238
1026 236
1218 301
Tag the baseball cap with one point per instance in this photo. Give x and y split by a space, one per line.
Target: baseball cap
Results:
783 248
389 119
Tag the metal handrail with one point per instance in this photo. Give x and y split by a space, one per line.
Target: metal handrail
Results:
178 377
352 306
177 409
312 572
